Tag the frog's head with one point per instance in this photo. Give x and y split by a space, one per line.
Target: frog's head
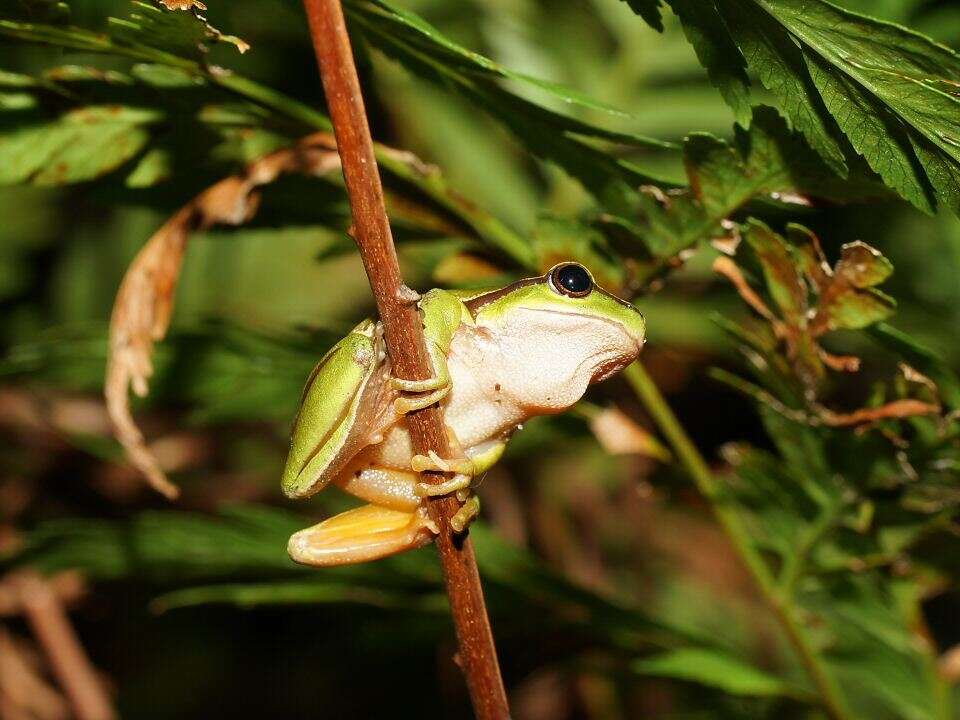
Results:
558 333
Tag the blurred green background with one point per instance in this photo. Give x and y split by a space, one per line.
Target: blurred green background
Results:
256 306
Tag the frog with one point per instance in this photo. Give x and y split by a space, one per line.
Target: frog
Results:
498 358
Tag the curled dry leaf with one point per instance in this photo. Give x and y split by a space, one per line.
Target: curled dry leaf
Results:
144 304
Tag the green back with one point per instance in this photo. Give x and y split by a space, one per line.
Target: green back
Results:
324 425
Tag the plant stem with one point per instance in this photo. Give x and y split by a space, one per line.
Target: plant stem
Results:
732 523
404 337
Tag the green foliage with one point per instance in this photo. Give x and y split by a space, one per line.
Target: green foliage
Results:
716 669
233 559
766 162
836 74
841 501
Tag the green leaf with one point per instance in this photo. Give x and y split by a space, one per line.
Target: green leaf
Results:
848 82
717 52
296 592
768 162
240 557
420 37
717 669
37 11
848 300
81 144
854 311
900 69
874 132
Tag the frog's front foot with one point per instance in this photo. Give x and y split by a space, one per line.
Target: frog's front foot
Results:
428 393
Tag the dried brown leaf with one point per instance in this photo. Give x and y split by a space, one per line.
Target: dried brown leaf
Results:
144 304
619 434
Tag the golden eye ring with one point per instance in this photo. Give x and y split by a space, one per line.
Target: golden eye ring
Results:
571 279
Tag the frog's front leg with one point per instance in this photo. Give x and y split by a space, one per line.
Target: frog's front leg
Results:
428 391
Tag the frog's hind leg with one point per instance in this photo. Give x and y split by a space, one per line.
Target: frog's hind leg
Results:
476 461
365 533
394 520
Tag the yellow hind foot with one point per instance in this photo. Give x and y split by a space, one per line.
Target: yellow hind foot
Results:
365 533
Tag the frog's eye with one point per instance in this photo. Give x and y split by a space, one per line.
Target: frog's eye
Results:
571 279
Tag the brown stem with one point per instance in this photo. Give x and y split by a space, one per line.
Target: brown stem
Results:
404 337
68 660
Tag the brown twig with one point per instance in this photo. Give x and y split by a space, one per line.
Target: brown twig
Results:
24 692
66 655
404 338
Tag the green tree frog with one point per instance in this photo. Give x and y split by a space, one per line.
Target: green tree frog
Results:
498 358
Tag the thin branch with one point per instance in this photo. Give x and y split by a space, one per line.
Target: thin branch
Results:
66 655
405 343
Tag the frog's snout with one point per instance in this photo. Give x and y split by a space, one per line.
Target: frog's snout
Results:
636 328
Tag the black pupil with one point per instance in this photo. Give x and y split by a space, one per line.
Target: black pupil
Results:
574 279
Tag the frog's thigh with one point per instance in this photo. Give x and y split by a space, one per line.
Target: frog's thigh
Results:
381 485
364 533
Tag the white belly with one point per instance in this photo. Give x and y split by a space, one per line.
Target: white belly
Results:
475 409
